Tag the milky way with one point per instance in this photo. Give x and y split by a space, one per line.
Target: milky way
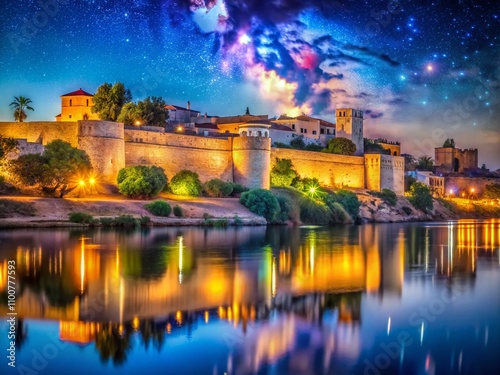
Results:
421 73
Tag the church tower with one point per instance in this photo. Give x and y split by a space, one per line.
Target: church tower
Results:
75 106
350 126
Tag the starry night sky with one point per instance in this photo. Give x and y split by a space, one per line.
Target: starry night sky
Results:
422 73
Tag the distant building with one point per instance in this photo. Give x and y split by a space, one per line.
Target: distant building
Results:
435 183
178 114
77 105
451 159
314 130
393 147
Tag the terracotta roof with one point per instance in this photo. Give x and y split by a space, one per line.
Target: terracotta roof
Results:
275 126
327 124
172 107
78 93
206 125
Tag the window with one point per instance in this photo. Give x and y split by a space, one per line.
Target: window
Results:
69 116
293 126
70 102
87 102
301 130
314 132
344 114
305 131
322 131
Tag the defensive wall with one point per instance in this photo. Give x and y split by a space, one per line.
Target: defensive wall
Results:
244 160
464 185
209 157
330 170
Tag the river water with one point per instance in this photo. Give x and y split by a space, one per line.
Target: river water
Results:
417 298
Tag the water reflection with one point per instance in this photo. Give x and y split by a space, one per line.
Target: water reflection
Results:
305 300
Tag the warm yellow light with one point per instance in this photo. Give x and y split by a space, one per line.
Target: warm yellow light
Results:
92 181
82 183
451 192
138 123
179 128
472 190
312 190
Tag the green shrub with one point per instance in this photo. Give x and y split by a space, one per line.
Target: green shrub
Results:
298 142
314 147
9 208
238 189
261 202
159 208
282 173
338 214
407 210
388 196
80 218
281 145
305 184
313 212
217 223
342 146
421 197
127 221
178 211
107 221
237 221
349 201
145 221
141 181
218 188
186 183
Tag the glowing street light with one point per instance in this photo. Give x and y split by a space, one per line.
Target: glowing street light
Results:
179 129
81 183
91 180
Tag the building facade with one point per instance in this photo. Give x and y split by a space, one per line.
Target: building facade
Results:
454 160
76 106
350 125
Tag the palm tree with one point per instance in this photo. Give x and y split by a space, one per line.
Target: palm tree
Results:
425 163
20 105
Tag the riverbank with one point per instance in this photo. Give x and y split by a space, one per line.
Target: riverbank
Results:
53 212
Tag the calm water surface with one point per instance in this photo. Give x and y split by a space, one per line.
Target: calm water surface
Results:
374 299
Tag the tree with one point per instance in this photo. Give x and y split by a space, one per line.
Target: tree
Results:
130 115
425 163
20 105
152 111
141 181
342 146
218 188
186 183
109 100
421 197
58 167
450 142
7 145
283 173
349 201
298 142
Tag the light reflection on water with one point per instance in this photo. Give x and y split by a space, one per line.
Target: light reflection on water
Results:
372 299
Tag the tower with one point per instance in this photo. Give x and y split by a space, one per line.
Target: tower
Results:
75 106
350 126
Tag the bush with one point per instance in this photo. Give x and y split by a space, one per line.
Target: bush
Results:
283 173
145 221
298 142
349 201
178 211
338 214
285 209
141 181
281 145
186 183
407 210
388 196
421 197
261 202
238 189
217 223
80 218
237 221
9 208
314 147
107 221
127 221
159 208
342 146
313 212
218 188
305 184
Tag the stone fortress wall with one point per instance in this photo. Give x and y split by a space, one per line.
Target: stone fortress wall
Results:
244 160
